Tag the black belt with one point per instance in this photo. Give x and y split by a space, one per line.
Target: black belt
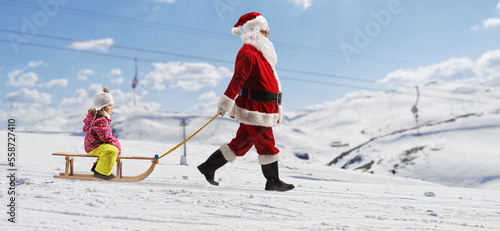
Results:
260 95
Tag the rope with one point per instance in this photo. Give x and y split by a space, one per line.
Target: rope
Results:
184 141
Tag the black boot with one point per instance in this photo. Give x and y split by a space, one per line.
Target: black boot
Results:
214 162
104 177
93 168
274 183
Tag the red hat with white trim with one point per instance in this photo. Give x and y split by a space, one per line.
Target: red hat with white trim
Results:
248 22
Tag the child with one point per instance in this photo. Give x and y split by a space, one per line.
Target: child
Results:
99 141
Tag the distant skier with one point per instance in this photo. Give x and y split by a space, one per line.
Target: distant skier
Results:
99 140
257 107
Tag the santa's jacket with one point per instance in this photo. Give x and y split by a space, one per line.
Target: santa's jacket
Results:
97 132
254 72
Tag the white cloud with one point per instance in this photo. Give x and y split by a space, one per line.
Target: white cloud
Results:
100 45
489 64
84 73
491 23
27 96
80 99
188 76
208 96
303 3
55 83
118 80
208 103
115 72
19 79
34 64
455 68
487 24
32 113
94 88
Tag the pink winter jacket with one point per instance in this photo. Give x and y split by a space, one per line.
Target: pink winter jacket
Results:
98 133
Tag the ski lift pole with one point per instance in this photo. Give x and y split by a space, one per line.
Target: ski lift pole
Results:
183 157
414 110
184 141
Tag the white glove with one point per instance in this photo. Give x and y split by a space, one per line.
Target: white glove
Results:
221 111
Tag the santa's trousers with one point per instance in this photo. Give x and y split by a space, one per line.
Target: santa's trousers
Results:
246 137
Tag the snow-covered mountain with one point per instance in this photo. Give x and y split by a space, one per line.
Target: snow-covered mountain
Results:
374 132
344 157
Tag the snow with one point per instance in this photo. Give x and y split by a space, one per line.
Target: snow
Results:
177 197
446 177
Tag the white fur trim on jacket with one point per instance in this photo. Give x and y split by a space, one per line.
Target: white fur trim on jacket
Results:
228 154
255 118
226 103
267 159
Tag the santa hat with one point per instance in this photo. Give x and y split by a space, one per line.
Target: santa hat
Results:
248 22
103 99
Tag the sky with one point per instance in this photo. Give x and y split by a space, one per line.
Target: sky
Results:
56 54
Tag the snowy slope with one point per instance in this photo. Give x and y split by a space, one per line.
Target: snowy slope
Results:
177 197
456 143
373 132
358 163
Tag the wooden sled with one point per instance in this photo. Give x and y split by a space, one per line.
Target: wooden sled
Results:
69 169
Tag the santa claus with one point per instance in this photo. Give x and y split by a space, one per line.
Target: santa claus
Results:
253 97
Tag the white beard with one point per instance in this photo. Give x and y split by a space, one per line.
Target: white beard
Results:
261 43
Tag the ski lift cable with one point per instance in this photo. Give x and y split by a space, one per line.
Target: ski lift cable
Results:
154 61
197 31
349 78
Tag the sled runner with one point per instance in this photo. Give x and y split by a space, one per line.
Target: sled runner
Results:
70 174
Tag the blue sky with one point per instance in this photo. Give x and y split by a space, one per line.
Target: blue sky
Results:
57 53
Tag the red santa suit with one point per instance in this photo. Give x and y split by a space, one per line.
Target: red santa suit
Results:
252 73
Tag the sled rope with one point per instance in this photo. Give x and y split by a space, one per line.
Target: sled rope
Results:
184 141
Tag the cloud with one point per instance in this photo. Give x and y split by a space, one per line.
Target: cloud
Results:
99 45
304 3
32 113
55 83
488 65
488 24
34 64
116 75
84 73
27 96
208 103
208 96
115 72
19 79
80 99
491 23
485 66
118 80
188 76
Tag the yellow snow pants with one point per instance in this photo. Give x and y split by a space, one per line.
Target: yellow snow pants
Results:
106 158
